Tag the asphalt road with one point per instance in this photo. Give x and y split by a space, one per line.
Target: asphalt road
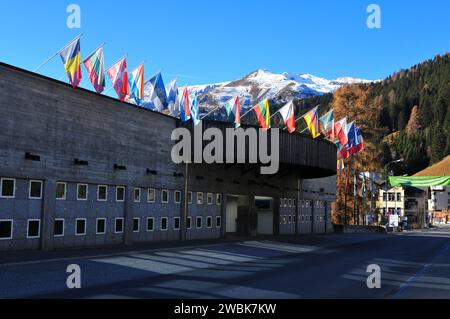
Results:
413 265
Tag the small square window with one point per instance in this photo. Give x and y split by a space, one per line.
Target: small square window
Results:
285 202
120 194
136 222
102 193
137 195
101 226
6 229
119 225
34 228
35 190
8 187
290 219
176 222
150 224
190 198
210 199
218 199
151 195
199 222
80 227
61 189
290 202
294 219
164 222
209 222
165 196
82 192
177 197
218 222
200 198
189 223
58 228
285 220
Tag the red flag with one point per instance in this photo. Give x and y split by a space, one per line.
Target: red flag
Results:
288 114
118 74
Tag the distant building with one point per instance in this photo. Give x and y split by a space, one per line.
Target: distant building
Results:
410 202
439 204
439 197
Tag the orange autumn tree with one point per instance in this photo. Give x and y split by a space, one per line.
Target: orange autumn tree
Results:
355 102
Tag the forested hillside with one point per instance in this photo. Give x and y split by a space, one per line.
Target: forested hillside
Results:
412 109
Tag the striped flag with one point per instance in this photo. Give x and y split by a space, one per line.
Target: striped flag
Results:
71 58
118 74
185 106
262 111
95 66
312 122
288 114
195 111
233 109
340 131
136 82
327 123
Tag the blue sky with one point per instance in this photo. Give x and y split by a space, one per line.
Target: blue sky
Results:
212 41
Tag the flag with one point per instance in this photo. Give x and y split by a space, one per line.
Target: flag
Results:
340 131
173 98
340 165
360 145
185 106
312 122
288 114
71 58
355 140
363 187
233 109
118 74
136 82
327 123
262 111
342 151
195 112
351 137
95 66
155 94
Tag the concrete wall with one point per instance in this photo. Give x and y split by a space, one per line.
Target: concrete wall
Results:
57 124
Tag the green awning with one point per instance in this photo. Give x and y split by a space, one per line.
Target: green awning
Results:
419 181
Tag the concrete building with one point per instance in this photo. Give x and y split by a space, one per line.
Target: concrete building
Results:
79 169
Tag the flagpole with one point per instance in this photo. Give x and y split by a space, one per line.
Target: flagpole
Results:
54 55
251 109
101 46
211 112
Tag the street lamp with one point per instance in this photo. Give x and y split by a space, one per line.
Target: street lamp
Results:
387 174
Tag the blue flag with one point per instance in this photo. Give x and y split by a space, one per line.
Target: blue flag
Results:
195 112
155 94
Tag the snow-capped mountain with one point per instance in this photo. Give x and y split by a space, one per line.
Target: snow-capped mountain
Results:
262 84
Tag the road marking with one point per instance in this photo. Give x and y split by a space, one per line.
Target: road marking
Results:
420 273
